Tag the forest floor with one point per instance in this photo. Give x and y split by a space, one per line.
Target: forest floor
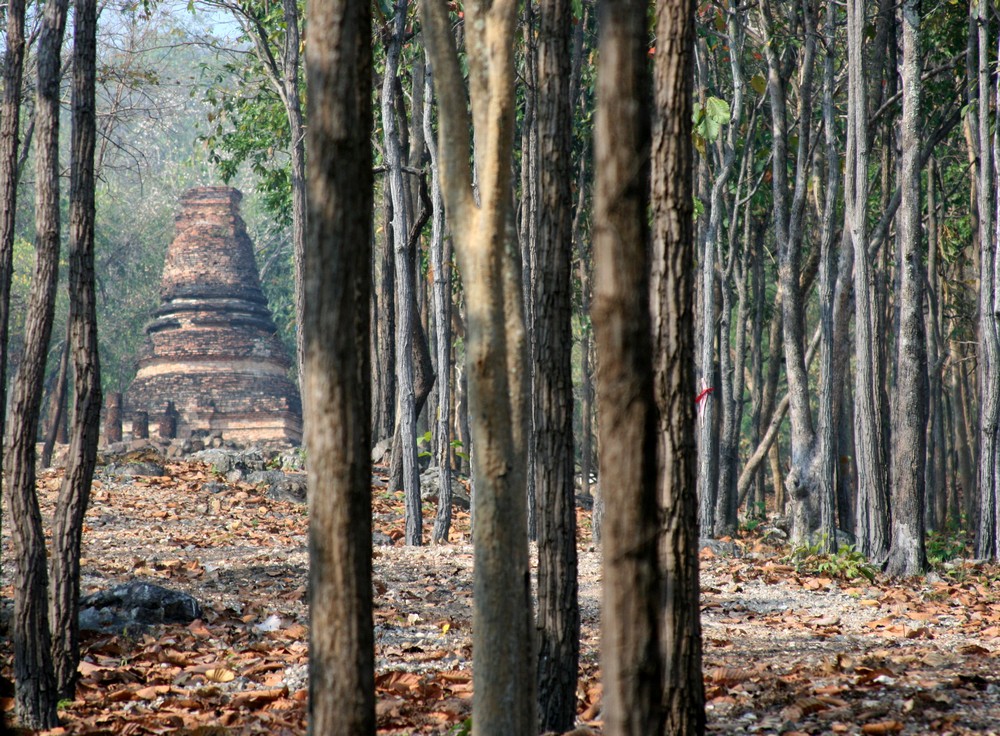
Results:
791 647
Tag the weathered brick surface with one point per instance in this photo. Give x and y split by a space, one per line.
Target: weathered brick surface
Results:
212 349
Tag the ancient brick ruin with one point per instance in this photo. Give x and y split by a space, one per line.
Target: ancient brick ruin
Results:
213 361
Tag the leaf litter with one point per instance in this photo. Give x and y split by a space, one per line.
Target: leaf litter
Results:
785 651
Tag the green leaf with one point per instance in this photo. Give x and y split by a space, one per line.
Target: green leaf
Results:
717 110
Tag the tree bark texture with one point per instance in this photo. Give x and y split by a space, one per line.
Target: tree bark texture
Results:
404 279
10 119
909 422
558 623
440 252
988 532
74 494
631 657
337 402
34 677
672 289
488 259
870 451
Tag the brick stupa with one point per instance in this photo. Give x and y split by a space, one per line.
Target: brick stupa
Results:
212 351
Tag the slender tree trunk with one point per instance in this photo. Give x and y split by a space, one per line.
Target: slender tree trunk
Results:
57 403
74 494
337 376
936 473
404 278
297 151
10 120
672 285
988 530
631 654
441 268
488 260
384 326
873 491
724 517
909 436
36 687
558 609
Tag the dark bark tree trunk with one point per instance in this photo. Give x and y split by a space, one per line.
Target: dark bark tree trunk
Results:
558 622
337 371
631 654
672 290
909 423
384 328
74 493
10 120
36 688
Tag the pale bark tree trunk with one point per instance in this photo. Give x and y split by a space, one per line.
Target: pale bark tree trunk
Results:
672 285
528 234
724 519
297 150
36 687
337 376
488 259
873 492
631 654
404 279
810 487
558 623
441 266
936 473
988 530
909 435
74 493
57 403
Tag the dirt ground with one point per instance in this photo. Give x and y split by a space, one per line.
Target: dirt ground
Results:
788 648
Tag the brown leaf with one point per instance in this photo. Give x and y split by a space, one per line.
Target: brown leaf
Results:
882 727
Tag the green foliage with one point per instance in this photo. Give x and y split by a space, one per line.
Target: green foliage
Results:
847 563
708 120
949 544
424 443
756 515
462 729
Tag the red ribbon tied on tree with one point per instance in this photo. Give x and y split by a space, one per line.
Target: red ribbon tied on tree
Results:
703 394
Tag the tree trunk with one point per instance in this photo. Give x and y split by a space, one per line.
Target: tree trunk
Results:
873 492
337 371
672 289
631 655
74 494
558 623
36 688
909 435
936 473
384 327
57 403
441 267
988 531
405 301
488 258
297 151
10 119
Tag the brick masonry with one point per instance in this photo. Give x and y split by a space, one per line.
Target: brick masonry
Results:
212 348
